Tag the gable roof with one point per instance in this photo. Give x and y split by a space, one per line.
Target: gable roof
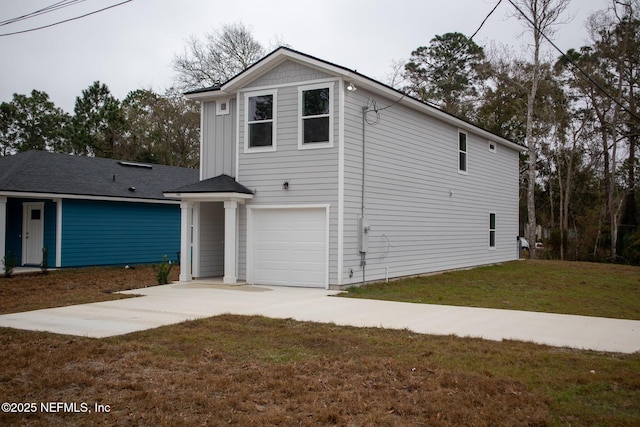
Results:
219 184
41 172
283 54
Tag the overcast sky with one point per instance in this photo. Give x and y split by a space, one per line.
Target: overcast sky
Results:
131 46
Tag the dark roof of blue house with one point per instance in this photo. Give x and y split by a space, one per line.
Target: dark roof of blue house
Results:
218 184
63 174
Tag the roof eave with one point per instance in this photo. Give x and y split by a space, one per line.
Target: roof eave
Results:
210 196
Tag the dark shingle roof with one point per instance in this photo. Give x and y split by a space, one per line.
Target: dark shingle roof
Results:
219 184
63 174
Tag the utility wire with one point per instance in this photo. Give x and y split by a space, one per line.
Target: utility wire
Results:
66 20
59 5
574 64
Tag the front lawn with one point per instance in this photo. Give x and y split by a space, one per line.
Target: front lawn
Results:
252 371
589 289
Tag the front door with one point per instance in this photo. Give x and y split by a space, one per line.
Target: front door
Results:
33 233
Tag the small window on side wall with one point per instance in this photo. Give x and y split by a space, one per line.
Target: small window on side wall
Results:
260 122
222 107
492 230
462 152
316 111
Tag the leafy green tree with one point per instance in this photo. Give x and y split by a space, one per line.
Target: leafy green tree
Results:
32 123
98 123
446 73
162 128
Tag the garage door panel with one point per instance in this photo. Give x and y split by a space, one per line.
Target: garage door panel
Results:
290 247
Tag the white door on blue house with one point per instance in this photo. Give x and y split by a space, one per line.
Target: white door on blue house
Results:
33 233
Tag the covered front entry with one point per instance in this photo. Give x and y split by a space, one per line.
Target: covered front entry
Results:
209 227
287 246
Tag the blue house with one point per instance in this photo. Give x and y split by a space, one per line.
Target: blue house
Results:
87 211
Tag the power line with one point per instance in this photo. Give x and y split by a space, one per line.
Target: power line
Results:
574 64
48 9
485 20
65 20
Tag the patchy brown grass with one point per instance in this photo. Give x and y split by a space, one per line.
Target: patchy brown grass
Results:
256 371
32 291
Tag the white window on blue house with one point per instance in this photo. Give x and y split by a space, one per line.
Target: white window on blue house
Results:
492 230
316 116
462 152
260 125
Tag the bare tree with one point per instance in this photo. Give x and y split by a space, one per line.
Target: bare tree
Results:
540 17
223 54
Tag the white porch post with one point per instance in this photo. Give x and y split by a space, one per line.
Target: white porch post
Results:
230 225
58 203
3 229
185 241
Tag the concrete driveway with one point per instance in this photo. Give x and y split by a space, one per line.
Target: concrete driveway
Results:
169 304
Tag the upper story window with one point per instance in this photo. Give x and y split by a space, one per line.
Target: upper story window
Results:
260 128
462 152
316 116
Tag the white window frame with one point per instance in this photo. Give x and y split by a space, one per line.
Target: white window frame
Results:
301 118
219 110
274 121
460 152
493 230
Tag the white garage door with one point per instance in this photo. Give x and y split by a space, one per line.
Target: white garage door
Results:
290 247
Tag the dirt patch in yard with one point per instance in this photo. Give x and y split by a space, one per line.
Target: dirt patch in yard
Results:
32 291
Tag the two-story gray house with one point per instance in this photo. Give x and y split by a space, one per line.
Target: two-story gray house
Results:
315 175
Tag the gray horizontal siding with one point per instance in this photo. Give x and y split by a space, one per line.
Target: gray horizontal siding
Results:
289 72
312 174
412 165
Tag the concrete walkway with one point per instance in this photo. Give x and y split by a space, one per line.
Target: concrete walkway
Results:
169 304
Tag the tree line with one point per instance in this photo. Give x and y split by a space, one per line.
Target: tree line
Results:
145 126
576 116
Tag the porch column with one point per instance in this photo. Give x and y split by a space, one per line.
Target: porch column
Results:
58 203
230 226
3 230
185 241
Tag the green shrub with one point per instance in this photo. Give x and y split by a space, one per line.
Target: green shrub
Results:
10 261
44 265
162 271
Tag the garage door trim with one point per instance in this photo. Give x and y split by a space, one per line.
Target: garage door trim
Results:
251 235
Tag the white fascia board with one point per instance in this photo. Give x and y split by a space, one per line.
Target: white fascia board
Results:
211 197
34 195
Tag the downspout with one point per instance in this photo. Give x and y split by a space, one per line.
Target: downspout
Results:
363 255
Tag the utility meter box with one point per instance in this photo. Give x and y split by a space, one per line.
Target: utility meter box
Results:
363 234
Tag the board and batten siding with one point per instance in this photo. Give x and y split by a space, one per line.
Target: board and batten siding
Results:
312 174
118 233
211 239
424 215
218 145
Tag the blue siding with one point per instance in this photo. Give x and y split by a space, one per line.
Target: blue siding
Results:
118 233
13 239
14 228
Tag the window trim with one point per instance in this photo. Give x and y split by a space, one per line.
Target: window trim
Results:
315 145
493 231
460 152
274 121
